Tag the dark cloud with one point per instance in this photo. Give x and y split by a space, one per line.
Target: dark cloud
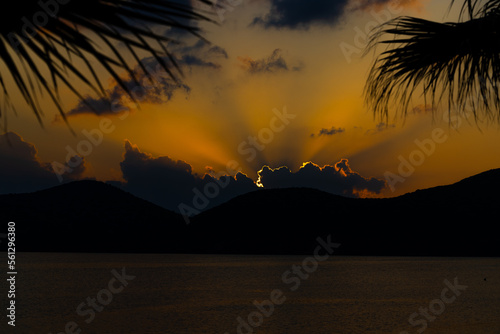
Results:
199 54
22 170
173 185
190 60
369 4
158 87
162 88
300 14
112 104
328 132
274 63
218 51
380 127
377 5
152 83
339 179
201 49
178 32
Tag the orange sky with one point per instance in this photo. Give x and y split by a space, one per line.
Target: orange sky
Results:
307 72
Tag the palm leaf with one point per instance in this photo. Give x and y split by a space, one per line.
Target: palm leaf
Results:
34 44
455 62
478 8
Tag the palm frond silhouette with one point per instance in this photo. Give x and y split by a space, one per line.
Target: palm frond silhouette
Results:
41 41
454 62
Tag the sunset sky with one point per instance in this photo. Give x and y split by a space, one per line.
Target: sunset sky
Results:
280 84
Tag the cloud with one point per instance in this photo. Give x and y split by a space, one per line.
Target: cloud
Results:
199 54
380 127
152 83
176 31
196 61
158 90
328 132
22 170
218 51
101 106
171 183
381 4
272 64
300 14
339 179
371 4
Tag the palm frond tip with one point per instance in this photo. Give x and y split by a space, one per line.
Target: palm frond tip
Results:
456 62
40 45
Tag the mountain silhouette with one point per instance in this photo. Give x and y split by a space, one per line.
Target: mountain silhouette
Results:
90 216
453 220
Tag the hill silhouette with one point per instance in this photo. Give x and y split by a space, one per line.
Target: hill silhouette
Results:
453 220
90 216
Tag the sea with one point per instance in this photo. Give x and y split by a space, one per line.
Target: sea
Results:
74 293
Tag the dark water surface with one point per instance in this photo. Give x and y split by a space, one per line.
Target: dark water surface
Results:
153 294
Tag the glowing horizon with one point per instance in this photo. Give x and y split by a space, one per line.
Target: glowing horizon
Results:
229 107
